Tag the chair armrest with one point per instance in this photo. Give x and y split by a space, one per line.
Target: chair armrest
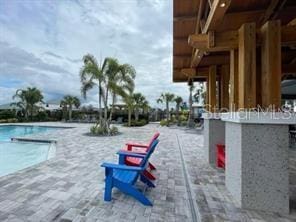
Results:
138 151
136 145
130 154
121 167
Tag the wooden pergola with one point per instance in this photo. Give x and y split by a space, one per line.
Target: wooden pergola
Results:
242 49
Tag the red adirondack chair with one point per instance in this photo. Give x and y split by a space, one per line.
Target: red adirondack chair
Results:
141 149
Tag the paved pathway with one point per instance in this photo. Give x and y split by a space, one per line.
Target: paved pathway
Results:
70 186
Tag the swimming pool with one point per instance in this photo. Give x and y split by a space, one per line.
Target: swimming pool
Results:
15 155
9 131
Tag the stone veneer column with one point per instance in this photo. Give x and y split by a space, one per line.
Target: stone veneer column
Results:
257 173
214 133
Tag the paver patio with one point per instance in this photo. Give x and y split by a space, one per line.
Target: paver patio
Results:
70 186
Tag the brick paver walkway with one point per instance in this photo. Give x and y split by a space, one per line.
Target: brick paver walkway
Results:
70 186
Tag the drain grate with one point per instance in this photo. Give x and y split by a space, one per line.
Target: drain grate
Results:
193 208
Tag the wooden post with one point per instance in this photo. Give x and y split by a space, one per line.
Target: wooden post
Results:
247 65
224 86
207 95
271 64
233 80
212 88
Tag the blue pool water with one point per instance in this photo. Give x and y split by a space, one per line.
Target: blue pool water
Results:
7 132
15 156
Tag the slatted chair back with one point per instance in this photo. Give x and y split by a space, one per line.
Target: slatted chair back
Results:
155 136
144 162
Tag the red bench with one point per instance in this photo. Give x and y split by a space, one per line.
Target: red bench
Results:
220 156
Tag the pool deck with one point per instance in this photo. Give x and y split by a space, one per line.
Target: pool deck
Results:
70 186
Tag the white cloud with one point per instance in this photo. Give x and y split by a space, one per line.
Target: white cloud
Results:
43 43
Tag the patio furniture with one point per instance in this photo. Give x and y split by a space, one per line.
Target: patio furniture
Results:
220 156
142 149
124 177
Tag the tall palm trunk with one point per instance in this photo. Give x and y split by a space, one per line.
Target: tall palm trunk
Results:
112 108
136 114
190 117
31 112
26 110
178 113
70 112
168 113
106 106
100 102
104 122
129 116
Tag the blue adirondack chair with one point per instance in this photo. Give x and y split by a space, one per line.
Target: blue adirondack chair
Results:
124 177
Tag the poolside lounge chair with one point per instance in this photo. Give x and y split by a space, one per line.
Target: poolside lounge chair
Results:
124 177
142 149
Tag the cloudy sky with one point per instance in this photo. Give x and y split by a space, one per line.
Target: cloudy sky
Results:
42 43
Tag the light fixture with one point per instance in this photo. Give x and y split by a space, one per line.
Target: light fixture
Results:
222 5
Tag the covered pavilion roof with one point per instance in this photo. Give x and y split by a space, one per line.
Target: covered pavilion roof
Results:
224 18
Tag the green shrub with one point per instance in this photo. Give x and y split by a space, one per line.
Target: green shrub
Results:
11 120
97 130
41 116
7 114
163 122
183 123
93 130
141 122
113 130
183 118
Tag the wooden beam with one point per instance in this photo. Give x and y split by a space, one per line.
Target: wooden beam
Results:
271 64
212 88
211 42
207 95
288 35
214 60
215 16
233 80
189 72
293 22
210 3
247 65
184 61
193 72
184 18
234 17
279 9
200 11
225 41
224 81
269 11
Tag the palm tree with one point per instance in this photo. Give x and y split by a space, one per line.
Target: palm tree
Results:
93 74
119 80
70 101
139 101
111 78
130 103
167 98
145 107
28 100
190 117
178 101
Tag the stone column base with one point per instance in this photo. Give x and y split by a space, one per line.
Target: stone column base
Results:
214 133
257 169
